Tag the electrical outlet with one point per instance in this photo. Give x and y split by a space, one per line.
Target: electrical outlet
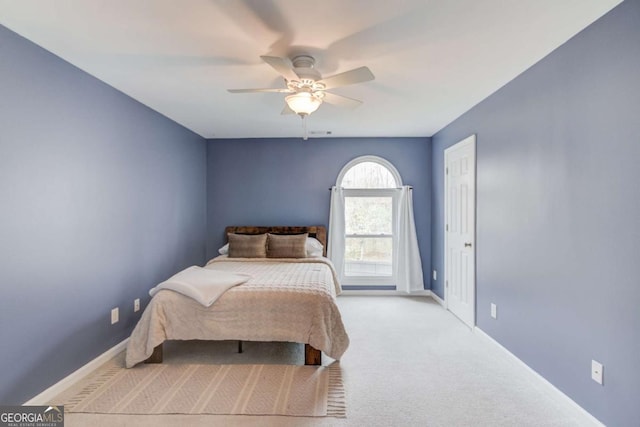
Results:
494 311
136 305
115 315
597 371
435 275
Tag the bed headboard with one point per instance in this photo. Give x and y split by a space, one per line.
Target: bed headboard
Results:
317 231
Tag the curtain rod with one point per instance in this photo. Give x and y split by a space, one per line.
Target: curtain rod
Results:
388 188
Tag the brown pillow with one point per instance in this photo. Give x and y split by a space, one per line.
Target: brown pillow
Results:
247 246
287 246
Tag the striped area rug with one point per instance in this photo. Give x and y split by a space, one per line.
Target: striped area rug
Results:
294 390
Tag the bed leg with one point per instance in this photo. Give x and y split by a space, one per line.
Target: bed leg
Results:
239 346
156 356
312 356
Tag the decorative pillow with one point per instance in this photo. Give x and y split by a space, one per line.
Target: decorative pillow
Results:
247 245
314 247
287 246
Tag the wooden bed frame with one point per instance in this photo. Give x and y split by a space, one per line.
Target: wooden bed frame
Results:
312 356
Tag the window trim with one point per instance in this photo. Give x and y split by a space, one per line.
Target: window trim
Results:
373 192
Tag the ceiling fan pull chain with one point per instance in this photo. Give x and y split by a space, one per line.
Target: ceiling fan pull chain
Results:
305 136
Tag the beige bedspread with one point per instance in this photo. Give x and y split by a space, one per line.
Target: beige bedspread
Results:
286 300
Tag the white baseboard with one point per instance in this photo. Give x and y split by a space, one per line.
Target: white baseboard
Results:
587 418
373 292
45 397
438 299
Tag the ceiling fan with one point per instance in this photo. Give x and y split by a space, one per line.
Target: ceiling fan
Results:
307 89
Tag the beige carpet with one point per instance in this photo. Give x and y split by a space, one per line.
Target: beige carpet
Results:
293 390
410 363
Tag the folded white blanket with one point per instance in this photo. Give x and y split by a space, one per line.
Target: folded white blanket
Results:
201 284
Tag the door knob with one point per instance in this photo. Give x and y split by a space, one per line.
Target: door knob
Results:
467 245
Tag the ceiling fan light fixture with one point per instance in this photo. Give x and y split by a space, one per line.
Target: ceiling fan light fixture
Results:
303 103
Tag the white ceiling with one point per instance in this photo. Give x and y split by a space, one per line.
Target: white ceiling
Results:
433 59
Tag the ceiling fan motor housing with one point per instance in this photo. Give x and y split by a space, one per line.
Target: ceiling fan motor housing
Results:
303 61
303 67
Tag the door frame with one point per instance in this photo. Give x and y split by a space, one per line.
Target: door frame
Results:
470 140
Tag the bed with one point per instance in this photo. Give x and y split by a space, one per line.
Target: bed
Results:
285 299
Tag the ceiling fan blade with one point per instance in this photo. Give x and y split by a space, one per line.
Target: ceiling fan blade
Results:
287 110
383 38
283 90
340 101
282 66
357 75
261 20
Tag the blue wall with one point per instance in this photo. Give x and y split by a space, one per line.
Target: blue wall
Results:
101 198
286 181
558 211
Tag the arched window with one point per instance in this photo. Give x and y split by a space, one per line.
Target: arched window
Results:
369 172
370 188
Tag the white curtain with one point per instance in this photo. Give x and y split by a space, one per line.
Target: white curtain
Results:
335 251
408 263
